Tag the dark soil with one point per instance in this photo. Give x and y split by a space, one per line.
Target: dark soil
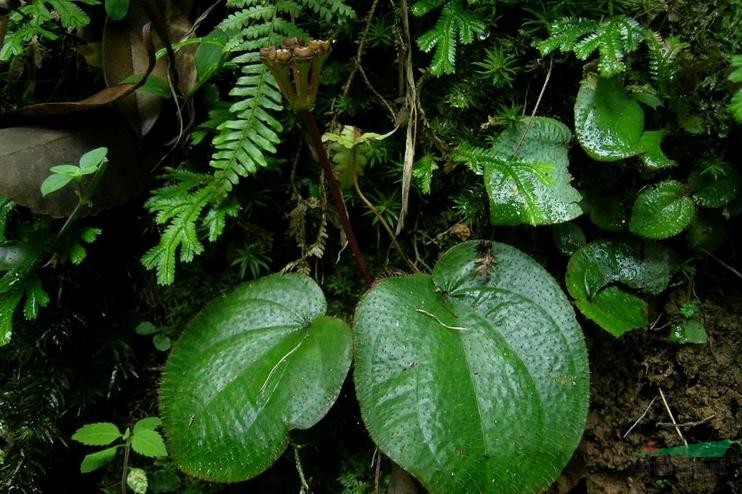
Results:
698 381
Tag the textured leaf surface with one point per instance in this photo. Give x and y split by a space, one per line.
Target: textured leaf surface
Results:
526 175
662 211
595 268
247 370
460 379
609 123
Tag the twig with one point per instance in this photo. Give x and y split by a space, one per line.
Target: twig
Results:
302 478
392 115
377 471
127 449
337 194
686 424
730 268
437 319
640 417
412 105
384 223
535 108
357 59
669 412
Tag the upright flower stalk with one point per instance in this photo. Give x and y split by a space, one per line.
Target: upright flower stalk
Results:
296 67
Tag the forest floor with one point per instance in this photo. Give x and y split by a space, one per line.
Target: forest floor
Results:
698 382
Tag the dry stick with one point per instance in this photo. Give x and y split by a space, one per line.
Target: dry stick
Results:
337 195
412 104
533 113
640 418
730 268
669 412
389 108
357 59
686 424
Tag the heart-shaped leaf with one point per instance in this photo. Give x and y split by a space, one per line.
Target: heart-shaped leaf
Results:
474 379
526 175
593 270
609 123
662 211
251 367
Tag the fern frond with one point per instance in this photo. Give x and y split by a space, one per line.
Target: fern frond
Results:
455 24
663 56
613 39
32 20
246 134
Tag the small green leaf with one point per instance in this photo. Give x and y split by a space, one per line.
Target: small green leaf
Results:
469 373
615 311
117 9
71 170
90 235
251 367
609 123
147 424
53 183
689 331
594 269
157 86
148 443
716 185
606 212
662 211
161 342
568 237
651 153
36 298
136 479
146 328
98 434
707 231
91 161
210 54
99 459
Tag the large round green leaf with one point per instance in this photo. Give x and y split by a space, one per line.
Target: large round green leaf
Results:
474 379
609 123
251 367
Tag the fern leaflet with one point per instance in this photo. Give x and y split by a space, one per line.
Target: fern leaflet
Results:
455 24
613 39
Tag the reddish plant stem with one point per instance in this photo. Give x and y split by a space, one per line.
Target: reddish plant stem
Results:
337 194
